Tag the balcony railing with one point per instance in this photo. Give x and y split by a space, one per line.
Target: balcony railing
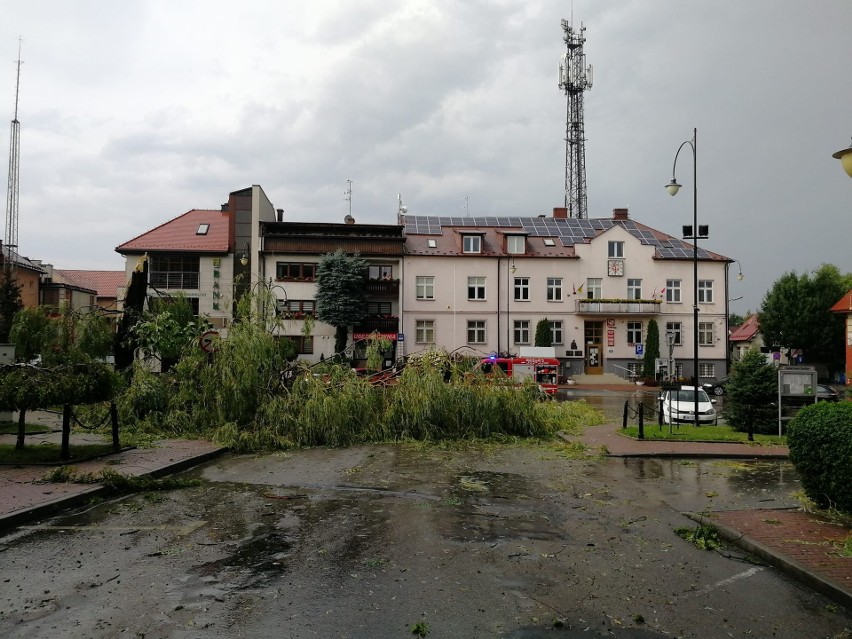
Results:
383 287
618 307
378 324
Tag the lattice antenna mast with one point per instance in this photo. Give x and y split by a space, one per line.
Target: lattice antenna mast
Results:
575 77
12 191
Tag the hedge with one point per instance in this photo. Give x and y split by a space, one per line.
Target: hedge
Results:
820 442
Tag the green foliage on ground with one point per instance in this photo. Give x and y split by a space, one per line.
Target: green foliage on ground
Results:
703 536
704 433
820 441
752 395
119 483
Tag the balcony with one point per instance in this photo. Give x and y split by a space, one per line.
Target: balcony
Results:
382 287
618 307
187 280
388 325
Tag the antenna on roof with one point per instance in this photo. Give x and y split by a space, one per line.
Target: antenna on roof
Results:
347 195
13 189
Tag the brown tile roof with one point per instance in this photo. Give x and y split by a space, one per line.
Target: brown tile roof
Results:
844 304
746 331
180 234
106 283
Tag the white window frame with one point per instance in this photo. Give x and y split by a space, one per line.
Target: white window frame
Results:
705 291
705 334
471 244
554 289
522 289
677 329
424 332
556 332
516 244
425 287
477 332
476 288
615 250
673 291
634 289
707 369
521 331
594 288
634 330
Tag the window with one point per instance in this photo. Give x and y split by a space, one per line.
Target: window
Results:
634 332
516 244
432 243
202 229
554 289
673 291
174 271
634 289
706 370
476 331
424 332
476 288
379 308
158 304
295 270
549 241
705 333
425 287
616 249
594 288
294 308
471 244
556 332
522 331
304 345
379 272
522 289
705 291
672 327
634 368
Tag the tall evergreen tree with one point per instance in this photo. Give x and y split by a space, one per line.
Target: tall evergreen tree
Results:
341 293
543 333
10 303
652 350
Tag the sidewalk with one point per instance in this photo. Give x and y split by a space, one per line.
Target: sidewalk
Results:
807 547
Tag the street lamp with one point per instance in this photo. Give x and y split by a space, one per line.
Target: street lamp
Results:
845 157
693 233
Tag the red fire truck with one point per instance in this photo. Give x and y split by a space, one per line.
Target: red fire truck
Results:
543 370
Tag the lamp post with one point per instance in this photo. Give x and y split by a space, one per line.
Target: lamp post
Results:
845 157
673 187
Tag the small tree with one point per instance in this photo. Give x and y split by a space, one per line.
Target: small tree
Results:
341 293
10 303
752 389
652 350
543 333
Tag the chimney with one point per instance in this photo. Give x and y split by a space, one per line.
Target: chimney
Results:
279 215
560 213
619 214
224 207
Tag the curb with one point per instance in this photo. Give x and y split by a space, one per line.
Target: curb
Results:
19 517
788 566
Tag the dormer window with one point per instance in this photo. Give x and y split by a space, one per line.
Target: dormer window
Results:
202 229
471 244
516 244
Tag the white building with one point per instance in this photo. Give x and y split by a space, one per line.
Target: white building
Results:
485 282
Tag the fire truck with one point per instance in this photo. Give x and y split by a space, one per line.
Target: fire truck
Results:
544 371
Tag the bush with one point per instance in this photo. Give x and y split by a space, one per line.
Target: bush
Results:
820 441
752 394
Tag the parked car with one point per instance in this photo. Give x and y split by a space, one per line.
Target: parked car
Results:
679 406
824 393
717 387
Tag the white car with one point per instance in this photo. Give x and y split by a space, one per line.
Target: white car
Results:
679 406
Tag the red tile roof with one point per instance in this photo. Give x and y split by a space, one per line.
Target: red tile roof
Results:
180 234
746 331
106 283
844 305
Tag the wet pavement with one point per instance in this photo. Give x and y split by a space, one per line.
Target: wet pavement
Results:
520 541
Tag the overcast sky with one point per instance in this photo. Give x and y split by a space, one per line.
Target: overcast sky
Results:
134 112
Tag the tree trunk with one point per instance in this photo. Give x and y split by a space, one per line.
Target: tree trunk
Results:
341 334
22 429
65 453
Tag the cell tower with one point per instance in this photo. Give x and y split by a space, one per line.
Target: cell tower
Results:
575 77
11 236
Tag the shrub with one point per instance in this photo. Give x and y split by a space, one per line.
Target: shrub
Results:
820 441
752 391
